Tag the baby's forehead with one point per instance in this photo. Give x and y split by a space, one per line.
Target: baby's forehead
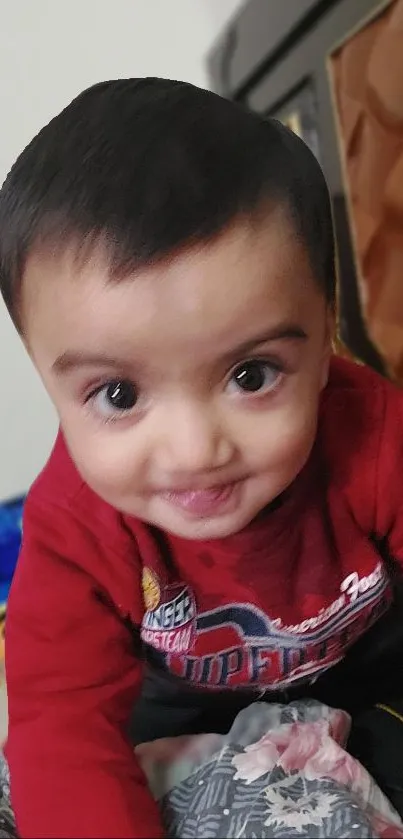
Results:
245 263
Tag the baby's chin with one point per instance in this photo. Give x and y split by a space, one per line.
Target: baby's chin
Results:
205 530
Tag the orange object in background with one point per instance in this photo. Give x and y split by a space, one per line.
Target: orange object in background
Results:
367 76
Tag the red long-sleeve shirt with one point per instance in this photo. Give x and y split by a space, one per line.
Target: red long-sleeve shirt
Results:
274 605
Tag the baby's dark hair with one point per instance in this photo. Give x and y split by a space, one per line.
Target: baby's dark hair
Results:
147 167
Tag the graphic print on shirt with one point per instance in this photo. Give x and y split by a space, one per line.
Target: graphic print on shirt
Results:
169 624
238 646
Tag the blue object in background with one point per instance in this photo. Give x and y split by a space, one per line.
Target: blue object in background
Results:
10 542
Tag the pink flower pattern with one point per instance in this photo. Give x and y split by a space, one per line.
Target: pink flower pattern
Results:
312 750
297 746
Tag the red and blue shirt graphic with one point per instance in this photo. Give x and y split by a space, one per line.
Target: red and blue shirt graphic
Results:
237 645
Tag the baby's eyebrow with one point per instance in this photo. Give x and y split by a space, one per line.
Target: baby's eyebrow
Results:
282 332
74 360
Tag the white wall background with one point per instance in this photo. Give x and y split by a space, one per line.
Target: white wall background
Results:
49 52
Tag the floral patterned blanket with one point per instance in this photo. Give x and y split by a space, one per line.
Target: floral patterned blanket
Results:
281 771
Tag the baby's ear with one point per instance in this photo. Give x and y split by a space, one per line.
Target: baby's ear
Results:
328 347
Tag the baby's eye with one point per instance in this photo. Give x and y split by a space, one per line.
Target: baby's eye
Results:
115 398
254 377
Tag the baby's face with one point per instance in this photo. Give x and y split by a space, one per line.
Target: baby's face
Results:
188 392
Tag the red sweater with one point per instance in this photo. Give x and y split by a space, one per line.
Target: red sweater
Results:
278 603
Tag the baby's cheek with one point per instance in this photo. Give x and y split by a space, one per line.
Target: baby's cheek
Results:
301 434
107 466
284 437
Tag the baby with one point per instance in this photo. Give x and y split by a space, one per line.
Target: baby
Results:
221 517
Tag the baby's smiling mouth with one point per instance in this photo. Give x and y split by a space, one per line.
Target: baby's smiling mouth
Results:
202 503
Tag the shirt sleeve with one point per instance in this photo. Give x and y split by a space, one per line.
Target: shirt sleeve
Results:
72 680
389 479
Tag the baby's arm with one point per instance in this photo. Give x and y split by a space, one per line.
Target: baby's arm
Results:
72 680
